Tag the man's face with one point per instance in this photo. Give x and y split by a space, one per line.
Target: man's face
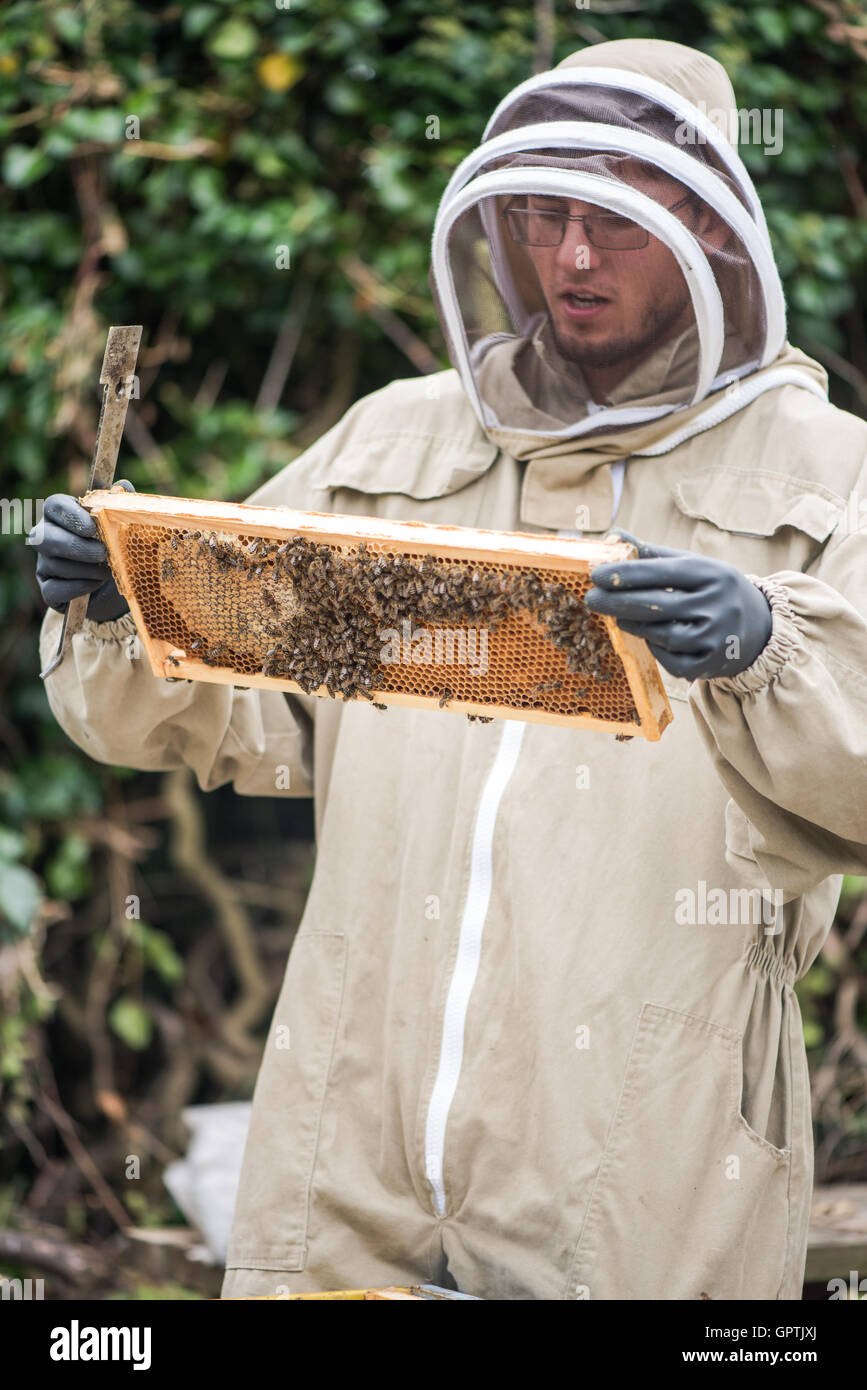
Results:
611 308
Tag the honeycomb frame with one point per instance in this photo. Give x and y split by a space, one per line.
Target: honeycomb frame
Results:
183 601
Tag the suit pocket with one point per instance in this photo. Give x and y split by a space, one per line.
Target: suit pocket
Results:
759 520
688 1201
270 1225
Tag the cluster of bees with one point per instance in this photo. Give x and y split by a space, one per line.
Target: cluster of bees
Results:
326 629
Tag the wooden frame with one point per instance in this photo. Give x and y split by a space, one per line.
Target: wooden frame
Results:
116 510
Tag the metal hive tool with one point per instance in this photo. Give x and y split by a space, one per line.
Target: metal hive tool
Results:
488 623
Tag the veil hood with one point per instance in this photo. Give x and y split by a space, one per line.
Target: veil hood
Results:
622 128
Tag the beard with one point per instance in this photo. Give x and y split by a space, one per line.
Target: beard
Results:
659 323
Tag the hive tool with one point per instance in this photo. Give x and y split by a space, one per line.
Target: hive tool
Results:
118 367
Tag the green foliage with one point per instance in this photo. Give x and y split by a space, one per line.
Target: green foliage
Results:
20 890
157 951
129 1019
853 888
151 1292
67 873
816 986
19 1047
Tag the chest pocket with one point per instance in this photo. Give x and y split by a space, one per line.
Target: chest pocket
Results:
759 520
409 475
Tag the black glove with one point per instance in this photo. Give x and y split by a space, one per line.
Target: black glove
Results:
70 563
700 617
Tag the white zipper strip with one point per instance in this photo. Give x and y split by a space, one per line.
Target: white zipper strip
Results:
617 471
468 956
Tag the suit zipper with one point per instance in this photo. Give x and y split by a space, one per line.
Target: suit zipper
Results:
468 956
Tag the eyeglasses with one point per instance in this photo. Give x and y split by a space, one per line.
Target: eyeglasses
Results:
607 231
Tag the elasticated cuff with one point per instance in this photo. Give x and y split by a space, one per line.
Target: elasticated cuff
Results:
785 640
115 630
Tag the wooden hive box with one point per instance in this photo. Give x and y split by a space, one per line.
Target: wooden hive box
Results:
487 623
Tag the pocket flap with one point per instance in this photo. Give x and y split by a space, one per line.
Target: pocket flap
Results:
420 464
754 502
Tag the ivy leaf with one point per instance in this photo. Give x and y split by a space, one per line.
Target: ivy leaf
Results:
158 951
24 164
12 843
237 38
131 1022
20 895
67 875
198 18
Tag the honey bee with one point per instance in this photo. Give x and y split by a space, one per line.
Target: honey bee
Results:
343 595
167 570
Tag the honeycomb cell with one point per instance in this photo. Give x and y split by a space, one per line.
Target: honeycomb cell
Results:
365 618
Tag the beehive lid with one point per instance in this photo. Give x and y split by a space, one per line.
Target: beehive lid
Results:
487 623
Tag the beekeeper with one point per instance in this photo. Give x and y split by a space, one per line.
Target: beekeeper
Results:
543 1045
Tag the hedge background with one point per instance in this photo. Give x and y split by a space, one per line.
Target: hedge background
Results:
257 126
